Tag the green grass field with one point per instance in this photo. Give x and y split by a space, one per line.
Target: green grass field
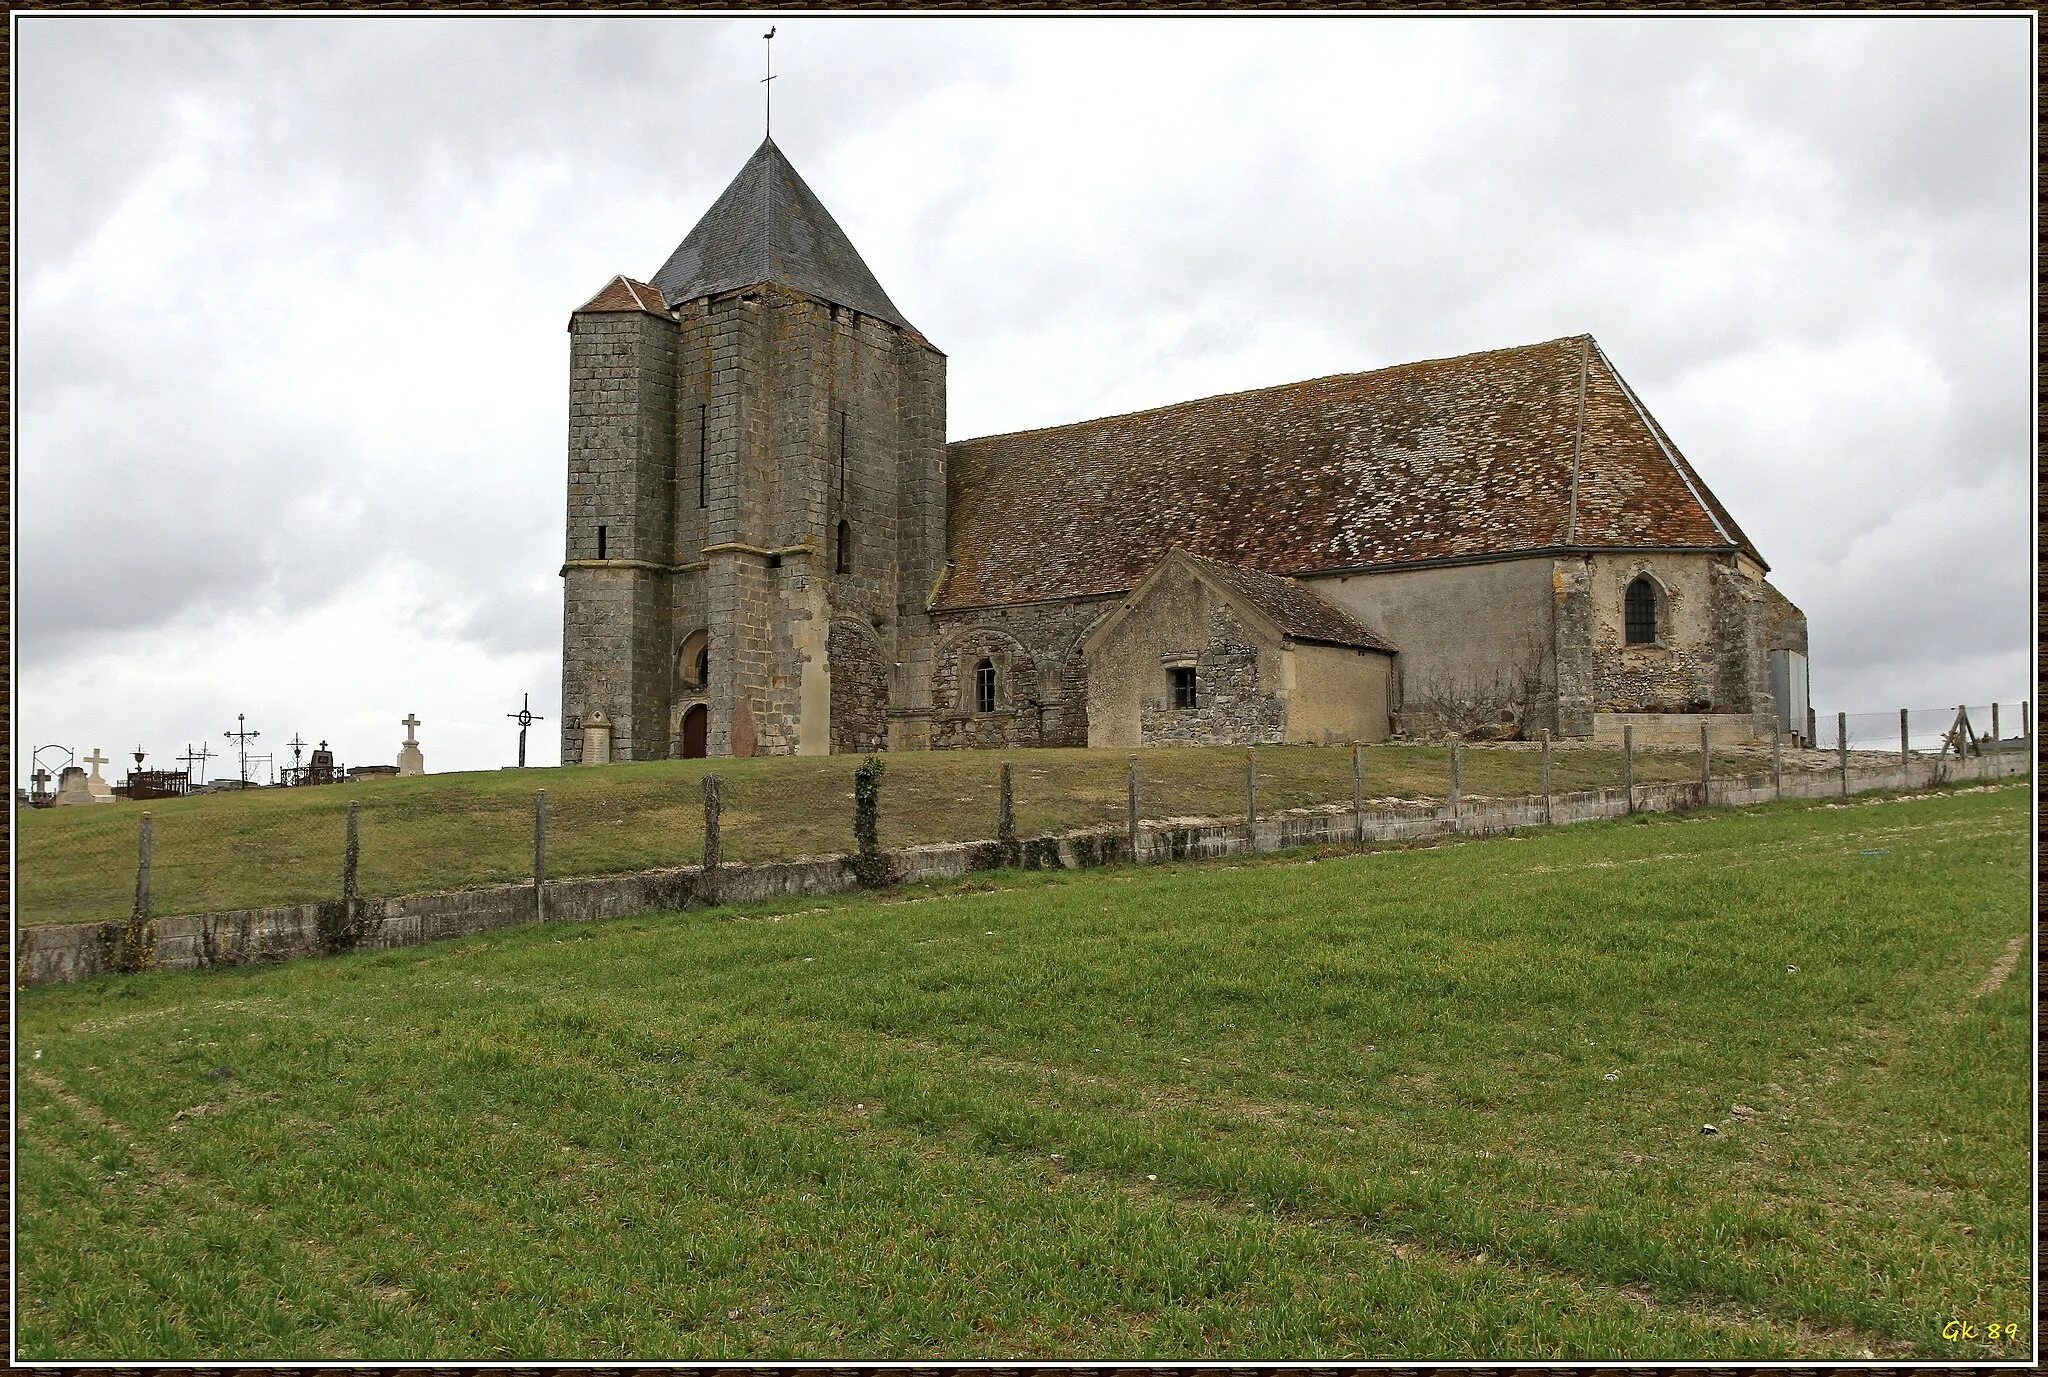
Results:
215 852
1422 1104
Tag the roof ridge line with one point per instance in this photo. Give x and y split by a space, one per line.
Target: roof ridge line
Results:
1257 391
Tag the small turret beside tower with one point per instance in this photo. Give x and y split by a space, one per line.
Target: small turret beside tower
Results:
757 490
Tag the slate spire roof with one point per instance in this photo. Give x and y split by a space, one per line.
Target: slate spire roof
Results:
768 226
1486 456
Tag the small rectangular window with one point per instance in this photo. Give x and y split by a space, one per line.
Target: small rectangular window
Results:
600 542
1184 687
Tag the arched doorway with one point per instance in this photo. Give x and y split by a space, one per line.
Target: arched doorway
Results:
695 723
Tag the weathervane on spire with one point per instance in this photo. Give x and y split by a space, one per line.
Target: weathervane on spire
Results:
767 91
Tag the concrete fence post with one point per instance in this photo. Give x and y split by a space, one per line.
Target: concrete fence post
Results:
142 874
1457 779
1778 764
1546 776
1905 752
1997 744
1842 748
1131 814
1357 796
707 866
540 856
1628 765
1251 798
350 855
1812 730
1706 770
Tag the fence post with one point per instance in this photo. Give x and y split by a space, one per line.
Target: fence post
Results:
1778 764
1905 752
1842 748
2027 728
349 856
540 857
142 874
1546 776
1628 765
1706 770
1357 796
1131 814
1251 798
707 865
1812 730
1006 818
1997 744
1457 780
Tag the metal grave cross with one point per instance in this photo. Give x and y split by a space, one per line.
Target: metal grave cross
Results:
525 717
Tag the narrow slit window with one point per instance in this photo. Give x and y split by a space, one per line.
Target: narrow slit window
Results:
1639 612
985 687
703 457
843 537
600 542
1184 686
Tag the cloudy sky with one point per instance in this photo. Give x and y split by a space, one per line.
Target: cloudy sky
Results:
292 292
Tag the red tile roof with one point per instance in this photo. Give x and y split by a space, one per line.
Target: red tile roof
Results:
1298 611
1532 448
622 293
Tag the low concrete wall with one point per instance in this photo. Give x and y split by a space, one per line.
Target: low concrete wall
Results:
1664 730
53 953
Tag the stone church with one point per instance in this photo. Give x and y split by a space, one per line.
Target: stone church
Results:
772 548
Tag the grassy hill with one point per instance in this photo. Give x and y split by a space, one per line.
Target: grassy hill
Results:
1414 1105
215 852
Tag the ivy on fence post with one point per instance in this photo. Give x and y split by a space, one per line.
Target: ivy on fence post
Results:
1546 776
133 947
1457 780
336 922
707 873
870 866
1778 764
1706 770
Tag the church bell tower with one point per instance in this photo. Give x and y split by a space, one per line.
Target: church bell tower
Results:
757 495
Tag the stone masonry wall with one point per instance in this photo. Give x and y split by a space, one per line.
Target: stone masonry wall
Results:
615 613
1041 678
1234 706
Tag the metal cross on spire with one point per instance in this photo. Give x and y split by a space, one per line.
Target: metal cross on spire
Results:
768 91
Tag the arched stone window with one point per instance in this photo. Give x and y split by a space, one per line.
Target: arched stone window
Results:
693 660
985 686
1639 611
843 564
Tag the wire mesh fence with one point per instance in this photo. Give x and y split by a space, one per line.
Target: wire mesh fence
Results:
1928 731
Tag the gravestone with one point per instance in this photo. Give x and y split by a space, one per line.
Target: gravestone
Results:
101 791
71 789
410 761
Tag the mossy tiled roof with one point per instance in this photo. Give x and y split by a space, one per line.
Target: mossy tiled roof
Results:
1533 448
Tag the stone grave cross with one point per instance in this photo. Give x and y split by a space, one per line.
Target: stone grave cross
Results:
411 724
